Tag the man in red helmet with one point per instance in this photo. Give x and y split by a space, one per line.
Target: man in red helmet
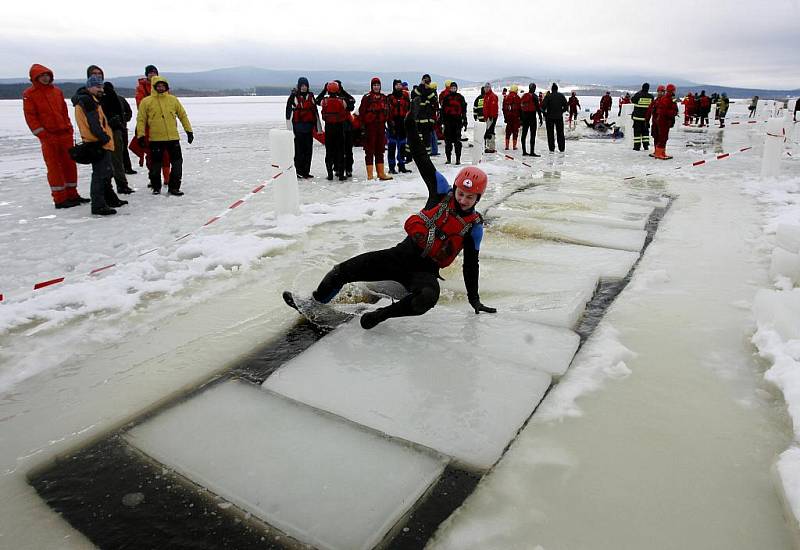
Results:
447 224
335 114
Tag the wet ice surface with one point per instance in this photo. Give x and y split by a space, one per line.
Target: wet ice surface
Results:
289 465
80 359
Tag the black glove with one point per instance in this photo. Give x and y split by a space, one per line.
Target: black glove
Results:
190 136
478 306
142 142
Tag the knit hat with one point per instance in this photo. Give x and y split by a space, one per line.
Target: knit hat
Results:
91 68
302 80
150 69
94 80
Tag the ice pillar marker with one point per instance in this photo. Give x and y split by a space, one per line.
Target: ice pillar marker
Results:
287 199
625 122
712 115
478 143
773 148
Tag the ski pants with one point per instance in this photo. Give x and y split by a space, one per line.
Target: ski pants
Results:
173 150
663 134
555 130
101 192
529 123
62 172
452 136
334 148
425 129
303 149
117 159
374 139
397 142
390 264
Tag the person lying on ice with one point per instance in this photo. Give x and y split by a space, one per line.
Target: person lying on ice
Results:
447 224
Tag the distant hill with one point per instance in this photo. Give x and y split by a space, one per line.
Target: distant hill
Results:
255 80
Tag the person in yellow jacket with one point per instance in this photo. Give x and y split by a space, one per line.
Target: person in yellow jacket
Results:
94 128
158 112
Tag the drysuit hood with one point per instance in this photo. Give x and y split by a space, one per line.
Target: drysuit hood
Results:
38 70
155 80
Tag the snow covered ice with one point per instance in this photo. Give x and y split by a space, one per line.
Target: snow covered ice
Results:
660 427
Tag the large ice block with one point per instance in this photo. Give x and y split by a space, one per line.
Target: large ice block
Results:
608 263
779 310
427 380
322 480
630 196
572 232
562 206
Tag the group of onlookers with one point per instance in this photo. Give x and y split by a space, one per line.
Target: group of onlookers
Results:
102 116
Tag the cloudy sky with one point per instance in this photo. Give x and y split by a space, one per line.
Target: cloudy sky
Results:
734 43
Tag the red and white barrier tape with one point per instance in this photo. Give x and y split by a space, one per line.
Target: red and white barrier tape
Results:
702 162
236 204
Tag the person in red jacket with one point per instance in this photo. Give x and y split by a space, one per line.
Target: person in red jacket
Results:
703 108
335 114
529 107
46 114
605 104
623 101
650 114
374 112
573 104
491 109
665 112
511 114
688 109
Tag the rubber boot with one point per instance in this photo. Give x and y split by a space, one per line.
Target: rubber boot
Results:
403 169
370 173
664 155
382 175
458 157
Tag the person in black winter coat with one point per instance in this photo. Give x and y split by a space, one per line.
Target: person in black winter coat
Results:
127 116
112 108
554 107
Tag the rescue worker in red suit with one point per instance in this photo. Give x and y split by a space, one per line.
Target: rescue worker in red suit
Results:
454 114
511 114
335 114
374 112
449 215
605 104
573 104
350 101
529 107
144 88
665 112
651 115
491 110
301 110
46 115
399 106
623 101
688 109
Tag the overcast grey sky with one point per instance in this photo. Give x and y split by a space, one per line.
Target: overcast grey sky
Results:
734 43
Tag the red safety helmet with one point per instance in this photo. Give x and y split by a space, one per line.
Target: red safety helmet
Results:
671 88
661 88
332 87
471 180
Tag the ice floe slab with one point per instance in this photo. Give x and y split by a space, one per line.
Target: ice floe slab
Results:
522 225
319 479
616 194
607 263
569 207
430 380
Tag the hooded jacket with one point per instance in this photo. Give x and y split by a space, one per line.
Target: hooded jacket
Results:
92 123
159 112
44 106
490 104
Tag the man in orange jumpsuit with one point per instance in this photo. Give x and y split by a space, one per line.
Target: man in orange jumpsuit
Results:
665 112
46 114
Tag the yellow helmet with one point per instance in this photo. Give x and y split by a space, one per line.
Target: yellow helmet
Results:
447 83
514 88
434 85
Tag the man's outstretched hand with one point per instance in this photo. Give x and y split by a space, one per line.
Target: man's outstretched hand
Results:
478 306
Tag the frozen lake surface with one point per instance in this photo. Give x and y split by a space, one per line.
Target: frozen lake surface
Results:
660 433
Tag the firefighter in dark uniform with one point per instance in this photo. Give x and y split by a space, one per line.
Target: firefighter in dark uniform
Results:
641 108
